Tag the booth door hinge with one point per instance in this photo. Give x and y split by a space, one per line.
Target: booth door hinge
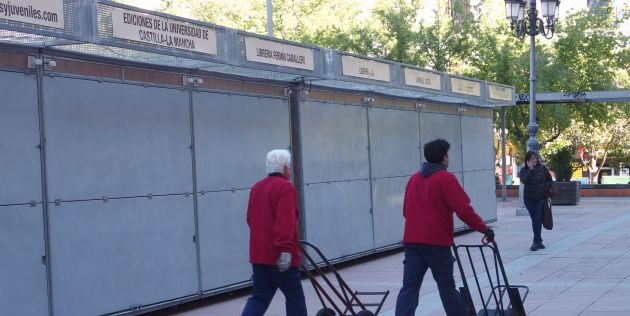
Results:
287 92
48 63
194 81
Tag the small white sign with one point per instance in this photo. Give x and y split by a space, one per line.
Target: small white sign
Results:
280 54
463 86
41 12
364 68
153 29
500 93
423 79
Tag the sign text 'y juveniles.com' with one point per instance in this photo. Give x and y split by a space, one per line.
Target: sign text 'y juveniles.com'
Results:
40 12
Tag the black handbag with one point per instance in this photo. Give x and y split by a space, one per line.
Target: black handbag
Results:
547 218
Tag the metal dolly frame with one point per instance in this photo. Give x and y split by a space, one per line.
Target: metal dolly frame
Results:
348 302
497 281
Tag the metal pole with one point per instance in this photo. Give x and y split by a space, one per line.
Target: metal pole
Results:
503 185
532 128
269 18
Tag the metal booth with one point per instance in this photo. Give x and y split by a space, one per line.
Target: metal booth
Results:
129 141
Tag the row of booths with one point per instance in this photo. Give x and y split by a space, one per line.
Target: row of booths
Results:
129 141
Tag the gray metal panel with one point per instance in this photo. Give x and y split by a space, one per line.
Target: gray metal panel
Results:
334 142
394 142
478 151
458 223
111 256
481 189
233 134
23 275
389 223
477 143
19 136
445 126
223 238
115 139
337 217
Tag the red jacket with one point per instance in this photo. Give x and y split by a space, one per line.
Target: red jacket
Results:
429 205
272 216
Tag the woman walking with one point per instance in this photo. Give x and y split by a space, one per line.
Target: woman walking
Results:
534 176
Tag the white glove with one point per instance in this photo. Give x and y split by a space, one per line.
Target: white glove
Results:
284 261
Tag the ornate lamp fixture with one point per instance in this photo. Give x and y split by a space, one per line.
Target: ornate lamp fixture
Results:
530 24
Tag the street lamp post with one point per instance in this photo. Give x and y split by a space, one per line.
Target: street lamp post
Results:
532 25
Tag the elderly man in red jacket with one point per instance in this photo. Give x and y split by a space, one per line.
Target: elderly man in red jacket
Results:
272 216
431 197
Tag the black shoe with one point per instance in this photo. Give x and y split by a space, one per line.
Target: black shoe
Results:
540 245
534 247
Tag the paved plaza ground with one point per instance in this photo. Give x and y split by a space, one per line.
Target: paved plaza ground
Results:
585 269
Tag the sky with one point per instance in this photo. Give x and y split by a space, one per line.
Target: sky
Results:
145 4
566 6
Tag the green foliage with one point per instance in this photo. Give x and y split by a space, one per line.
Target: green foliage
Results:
441 43
587 53
560 162
601 140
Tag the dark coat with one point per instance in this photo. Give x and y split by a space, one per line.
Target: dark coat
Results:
536 182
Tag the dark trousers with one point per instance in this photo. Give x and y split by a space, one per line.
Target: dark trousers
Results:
267 279
535 209
419 258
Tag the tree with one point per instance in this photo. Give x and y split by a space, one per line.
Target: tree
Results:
590 54
587 54
596 141
498 56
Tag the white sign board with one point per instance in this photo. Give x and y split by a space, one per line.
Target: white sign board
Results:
364 68
41 12
500 93
468 87
157 30
423 79
269 52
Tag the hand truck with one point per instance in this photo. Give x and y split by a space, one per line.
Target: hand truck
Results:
491 282
343 300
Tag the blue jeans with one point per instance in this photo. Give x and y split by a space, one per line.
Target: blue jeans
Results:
535 209
267 279
419 258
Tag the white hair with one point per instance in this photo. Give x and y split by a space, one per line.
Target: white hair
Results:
277 159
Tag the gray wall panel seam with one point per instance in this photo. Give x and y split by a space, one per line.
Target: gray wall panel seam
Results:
295 130
461 146
110 80
17 70
218 91
370 183
44 183
336 181
122 197
420 151
193 157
